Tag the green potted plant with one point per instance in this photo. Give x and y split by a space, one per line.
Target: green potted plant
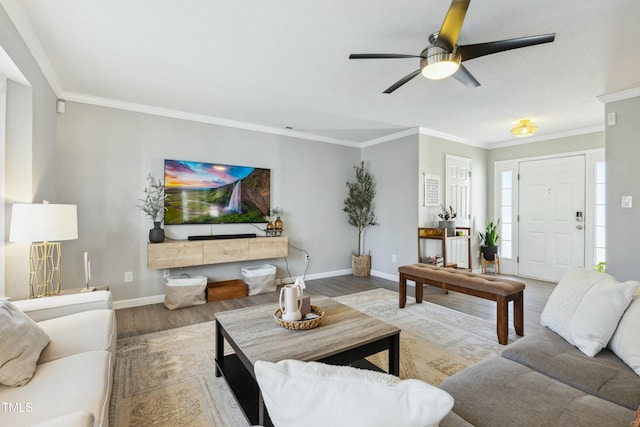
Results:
447 220
359 208
153 205
489 240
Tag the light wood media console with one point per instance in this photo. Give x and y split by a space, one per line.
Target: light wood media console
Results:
187 253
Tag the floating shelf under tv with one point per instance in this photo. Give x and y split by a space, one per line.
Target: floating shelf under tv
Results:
188 253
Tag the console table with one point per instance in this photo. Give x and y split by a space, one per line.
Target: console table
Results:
188 253
441 234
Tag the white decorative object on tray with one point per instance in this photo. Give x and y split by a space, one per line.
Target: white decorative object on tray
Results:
292 295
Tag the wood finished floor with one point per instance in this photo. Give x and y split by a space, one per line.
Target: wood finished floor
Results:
155 317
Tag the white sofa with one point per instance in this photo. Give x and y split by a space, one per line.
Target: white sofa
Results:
71 385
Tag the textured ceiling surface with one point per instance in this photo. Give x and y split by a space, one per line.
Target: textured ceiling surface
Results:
285 63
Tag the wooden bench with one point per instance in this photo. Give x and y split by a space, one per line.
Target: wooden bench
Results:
492 288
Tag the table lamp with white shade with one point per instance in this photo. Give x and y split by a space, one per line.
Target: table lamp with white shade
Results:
44 225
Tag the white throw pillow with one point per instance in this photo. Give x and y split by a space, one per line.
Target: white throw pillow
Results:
314 394
625 342
565 299
598 314
21 342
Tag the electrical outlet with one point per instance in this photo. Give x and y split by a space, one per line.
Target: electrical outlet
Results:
393 258
128 276
306 258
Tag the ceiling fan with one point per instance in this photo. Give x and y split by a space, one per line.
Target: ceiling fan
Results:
443 57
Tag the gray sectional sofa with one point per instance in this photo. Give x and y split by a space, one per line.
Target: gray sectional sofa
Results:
581 369
542 380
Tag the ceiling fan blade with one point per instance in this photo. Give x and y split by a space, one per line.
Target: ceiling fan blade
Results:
402 81
380 56
465 77
450 30
471 51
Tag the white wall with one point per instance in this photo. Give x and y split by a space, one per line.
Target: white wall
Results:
104 155
623 178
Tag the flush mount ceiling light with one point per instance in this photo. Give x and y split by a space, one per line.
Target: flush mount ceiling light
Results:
524 128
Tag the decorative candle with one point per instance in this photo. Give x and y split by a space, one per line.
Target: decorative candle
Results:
86 267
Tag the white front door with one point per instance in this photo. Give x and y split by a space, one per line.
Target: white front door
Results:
552 206
458 196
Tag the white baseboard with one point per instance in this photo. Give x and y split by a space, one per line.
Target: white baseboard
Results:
136 302
383 275
317 275
156 299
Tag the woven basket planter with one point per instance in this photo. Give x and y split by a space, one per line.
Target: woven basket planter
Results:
361 264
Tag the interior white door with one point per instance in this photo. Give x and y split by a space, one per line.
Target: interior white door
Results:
552 200
458 195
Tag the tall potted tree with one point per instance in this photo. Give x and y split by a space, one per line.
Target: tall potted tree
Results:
359 208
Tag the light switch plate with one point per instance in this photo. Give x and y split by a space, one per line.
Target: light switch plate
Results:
627 201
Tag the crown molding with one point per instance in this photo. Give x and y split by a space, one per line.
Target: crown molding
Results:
567 134
183 115
452 138
201 118
390 137
619 96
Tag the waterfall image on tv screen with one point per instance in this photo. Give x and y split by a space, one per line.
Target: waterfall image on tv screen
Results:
210 193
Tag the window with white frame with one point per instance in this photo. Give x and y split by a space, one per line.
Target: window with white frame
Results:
506 214
599 222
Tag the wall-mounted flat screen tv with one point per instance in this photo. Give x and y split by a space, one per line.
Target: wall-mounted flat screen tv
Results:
210 193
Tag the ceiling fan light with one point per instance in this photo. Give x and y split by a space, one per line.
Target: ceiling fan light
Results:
438 63
524 128
440 70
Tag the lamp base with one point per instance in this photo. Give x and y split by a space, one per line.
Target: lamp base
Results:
44 260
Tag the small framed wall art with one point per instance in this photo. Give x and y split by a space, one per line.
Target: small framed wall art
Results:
431 189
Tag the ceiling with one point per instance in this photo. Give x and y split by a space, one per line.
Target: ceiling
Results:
284 63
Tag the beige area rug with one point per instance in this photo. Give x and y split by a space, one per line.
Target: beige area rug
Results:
435 342
168 378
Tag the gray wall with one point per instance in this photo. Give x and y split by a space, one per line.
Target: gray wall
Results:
44 110
98 158
623 179
432 160
30 146
104 155
394 165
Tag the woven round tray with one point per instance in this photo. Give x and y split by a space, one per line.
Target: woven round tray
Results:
299 325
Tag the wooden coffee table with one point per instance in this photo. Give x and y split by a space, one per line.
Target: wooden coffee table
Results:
345 337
